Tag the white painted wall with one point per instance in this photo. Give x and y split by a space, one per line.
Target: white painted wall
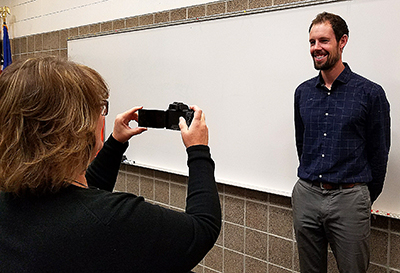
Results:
37 16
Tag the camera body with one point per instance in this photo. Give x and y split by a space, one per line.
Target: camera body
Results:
168 119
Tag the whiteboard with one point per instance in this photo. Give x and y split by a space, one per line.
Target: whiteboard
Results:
242 71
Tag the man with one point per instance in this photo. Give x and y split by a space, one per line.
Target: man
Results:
342 128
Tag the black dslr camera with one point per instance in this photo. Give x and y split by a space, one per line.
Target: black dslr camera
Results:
168 119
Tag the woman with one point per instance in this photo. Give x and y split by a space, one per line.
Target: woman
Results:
57 212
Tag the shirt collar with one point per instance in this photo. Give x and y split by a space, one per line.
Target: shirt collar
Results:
344 77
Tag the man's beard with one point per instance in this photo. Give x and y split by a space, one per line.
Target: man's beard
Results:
331 60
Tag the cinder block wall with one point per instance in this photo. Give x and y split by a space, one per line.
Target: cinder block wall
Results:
257 234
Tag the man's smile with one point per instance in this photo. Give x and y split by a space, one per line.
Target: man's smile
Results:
320 56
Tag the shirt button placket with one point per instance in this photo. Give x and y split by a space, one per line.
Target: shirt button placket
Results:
326 129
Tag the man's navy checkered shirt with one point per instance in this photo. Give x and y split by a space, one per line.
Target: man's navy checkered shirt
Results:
343 134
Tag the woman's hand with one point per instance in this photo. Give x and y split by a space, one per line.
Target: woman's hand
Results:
122 131
197 132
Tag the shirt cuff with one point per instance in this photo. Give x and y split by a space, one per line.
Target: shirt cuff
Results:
198 152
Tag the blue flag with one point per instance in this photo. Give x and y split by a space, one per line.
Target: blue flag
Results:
6 47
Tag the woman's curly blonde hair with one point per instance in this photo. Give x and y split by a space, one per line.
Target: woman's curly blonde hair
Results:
49 110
